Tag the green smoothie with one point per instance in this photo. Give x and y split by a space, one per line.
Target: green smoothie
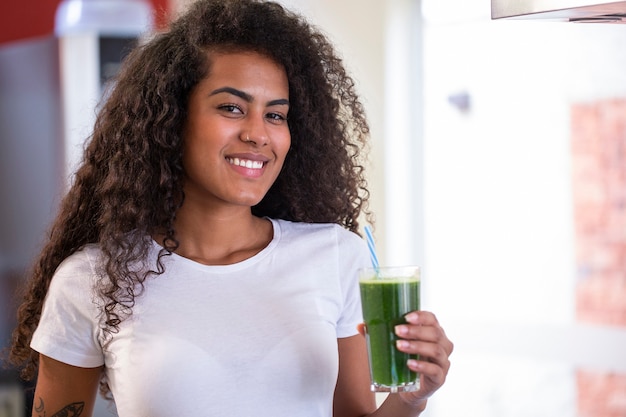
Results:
385 301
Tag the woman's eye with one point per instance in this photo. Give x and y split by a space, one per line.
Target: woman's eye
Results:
276 117
230 108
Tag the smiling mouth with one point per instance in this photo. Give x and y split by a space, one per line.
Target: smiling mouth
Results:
245 163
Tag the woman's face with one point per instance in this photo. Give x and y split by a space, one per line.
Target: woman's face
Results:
236 135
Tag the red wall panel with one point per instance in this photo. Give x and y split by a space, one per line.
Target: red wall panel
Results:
21 19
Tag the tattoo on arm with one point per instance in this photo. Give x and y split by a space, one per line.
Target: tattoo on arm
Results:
39 407
70 410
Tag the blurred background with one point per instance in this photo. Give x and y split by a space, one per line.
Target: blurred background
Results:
498 164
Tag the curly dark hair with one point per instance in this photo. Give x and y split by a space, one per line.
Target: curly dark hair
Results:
130 183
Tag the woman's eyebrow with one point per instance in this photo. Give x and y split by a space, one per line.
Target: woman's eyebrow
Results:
278 102
247 97
230 90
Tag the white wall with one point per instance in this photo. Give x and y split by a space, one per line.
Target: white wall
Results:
498 205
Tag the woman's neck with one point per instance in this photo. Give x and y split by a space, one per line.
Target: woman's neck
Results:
222 238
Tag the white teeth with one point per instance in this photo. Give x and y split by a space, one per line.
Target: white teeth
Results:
246 163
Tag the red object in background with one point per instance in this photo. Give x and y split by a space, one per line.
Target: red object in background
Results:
22 19
599 193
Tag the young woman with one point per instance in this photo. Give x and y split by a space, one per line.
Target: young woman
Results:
204 261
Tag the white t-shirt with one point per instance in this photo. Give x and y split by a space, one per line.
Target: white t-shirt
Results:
258 337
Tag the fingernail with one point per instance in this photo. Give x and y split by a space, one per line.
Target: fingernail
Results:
402 330
412 317
402 344
412 363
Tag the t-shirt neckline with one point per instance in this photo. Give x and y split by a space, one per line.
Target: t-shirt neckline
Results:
246 263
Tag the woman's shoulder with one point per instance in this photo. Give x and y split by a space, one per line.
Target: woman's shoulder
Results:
290 230
81 262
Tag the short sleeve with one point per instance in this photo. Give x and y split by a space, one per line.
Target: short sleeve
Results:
68 330
353 255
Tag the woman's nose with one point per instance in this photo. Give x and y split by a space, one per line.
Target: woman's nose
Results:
255 132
